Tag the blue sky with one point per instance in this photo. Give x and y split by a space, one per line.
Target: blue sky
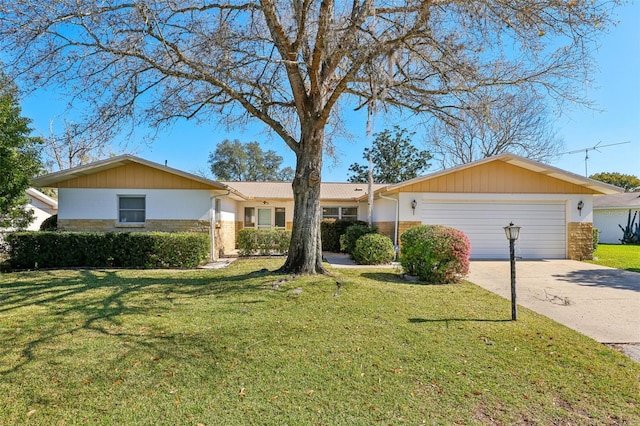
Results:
615 90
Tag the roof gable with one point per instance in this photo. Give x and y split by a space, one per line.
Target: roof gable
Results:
34 193
126 171
504 173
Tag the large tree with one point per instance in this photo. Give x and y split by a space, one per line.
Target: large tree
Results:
393 156
291 64
630 183
19 159
235 161
497 120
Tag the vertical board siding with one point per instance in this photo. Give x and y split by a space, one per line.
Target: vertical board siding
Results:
495 177
133 176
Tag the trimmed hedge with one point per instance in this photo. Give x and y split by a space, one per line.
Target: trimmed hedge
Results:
373 249
263 241
596 238
32 250
332 229
436 254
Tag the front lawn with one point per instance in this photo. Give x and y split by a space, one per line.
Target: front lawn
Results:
619 256
237 346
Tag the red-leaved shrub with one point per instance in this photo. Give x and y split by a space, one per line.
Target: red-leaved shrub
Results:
436 254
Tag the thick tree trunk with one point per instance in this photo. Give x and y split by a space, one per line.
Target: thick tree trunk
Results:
305 250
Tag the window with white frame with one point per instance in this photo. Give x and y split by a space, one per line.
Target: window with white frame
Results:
249 217
218 207
131 209
346 213
264 217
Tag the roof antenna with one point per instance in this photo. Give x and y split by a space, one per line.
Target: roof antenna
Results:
591 148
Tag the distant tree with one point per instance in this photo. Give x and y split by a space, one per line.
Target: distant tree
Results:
235 161
496 122
19 160
75 146
629 183
394 158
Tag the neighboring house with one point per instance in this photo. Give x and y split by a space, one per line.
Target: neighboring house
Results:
554 207
609 211
43 207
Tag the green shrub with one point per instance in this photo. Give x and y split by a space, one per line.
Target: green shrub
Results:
332 229
29 250
436 254
50 223
373 249
596 238
352 234
263 241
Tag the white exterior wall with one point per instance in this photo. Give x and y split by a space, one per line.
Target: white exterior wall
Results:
81 203
228 210
607 221
384 210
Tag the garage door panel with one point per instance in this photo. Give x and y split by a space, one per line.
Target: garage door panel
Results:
543 233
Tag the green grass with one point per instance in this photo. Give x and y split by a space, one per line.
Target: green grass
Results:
619 256
223 347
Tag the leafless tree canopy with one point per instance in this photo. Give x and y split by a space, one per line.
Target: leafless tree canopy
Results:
290 63
518 123
75 146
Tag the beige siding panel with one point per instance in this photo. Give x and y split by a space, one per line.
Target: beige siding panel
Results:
133 176
496 178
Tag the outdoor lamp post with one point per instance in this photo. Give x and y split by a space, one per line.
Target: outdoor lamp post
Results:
512 233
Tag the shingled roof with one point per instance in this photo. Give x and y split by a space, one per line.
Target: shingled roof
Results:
627 200
283 191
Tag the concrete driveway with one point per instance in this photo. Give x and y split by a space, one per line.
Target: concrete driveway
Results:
602 303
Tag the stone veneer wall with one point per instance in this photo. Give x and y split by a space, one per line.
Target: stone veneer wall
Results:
387 228
403 226
225 237
580 240
110 225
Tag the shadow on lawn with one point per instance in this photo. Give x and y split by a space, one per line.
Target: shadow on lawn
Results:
19 294
398 277
393 277
98 300
448 320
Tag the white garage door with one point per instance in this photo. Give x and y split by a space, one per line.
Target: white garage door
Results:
542 236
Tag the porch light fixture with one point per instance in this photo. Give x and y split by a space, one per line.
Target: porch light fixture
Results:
512 232
414 204
580 206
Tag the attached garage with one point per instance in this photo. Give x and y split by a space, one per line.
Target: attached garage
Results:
553 207
543 225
